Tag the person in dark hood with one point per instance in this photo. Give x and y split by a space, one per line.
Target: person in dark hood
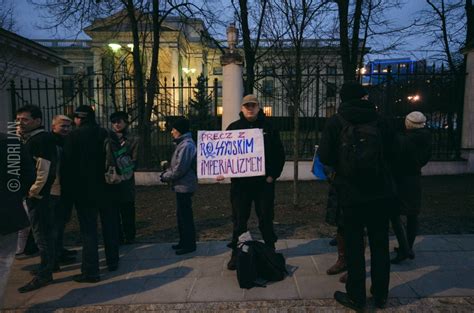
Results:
351 136
182 177
260 189
42 150
83 183
413 151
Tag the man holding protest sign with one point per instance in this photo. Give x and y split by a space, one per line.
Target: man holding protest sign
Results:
257 189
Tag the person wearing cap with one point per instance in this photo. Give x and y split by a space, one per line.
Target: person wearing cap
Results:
260 189
181 175
364 199
413 151
41 148
124 192
84 184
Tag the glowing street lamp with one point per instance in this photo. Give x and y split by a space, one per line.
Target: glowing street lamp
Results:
130 46
115 47
414 98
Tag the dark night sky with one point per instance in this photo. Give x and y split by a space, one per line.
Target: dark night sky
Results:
27 21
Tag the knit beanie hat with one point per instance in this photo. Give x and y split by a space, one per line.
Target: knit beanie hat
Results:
84 111
181 124
415 120
351 91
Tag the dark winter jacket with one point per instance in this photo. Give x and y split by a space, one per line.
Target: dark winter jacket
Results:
358 190
17 174
413 151
41 148
274 151
182 172
84 164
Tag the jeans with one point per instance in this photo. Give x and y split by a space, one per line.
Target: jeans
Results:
42 225
184 214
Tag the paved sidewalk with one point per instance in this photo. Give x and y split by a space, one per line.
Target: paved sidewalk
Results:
152 278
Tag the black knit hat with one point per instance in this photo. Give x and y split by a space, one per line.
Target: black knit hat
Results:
181 124
119 115
351 91
84 111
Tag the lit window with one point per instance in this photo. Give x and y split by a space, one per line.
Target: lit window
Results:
219 110
267 110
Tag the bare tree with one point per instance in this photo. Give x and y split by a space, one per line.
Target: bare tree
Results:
292 25
6 15
145 19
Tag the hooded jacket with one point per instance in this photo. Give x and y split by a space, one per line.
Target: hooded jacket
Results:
274 151
181 173
358 190
83 163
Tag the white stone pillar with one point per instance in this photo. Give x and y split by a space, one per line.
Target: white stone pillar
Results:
467 142
232 83
232 92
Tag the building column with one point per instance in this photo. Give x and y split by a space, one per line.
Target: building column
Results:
467 142
232 83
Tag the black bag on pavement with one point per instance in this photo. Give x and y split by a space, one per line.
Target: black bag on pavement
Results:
258 264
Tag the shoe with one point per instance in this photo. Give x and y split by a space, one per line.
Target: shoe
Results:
36 283
112 267
380 302
185 250
232 264
398 258
81 278
340 265
66 252
343 278
344 299
176 247
333 242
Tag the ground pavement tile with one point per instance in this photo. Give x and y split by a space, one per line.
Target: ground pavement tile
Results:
464 242
434 243
285 289
149 251
305 247
440 283
61 295
161 267
324 261
160 289
12 298
318 286
219 248
221 288
303 265
205 266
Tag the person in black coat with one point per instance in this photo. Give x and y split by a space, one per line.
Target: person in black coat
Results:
261 189
364 199
83 183
413 150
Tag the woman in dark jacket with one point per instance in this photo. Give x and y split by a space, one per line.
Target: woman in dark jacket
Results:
414 151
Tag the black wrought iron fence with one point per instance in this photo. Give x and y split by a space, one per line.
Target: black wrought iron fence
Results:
436 92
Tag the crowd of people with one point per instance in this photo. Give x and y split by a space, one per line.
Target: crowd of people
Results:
374 173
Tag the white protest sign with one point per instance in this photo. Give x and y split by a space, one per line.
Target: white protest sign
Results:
232 153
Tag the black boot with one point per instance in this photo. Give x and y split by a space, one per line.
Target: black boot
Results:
232 264
344 299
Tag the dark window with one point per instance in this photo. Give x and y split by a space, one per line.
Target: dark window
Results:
219 88
217 70
330 90
68 70
68 88
267 70
90 70
267 87
90 88
331 70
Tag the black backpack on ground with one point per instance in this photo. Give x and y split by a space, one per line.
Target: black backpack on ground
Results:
360 149
258 264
